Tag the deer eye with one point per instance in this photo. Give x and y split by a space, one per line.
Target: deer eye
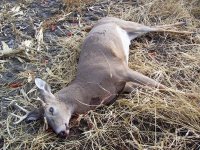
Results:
51 110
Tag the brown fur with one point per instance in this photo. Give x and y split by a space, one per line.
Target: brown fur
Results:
102 74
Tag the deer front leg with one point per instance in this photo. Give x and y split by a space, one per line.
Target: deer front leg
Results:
139 79
130 87
143 81
29 115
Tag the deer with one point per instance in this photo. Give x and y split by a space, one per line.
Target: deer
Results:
102 74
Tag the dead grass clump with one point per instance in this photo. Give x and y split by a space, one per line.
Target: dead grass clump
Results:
71 5
144 119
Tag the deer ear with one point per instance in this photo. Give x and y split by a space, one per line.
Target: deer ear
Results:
42 85
45 91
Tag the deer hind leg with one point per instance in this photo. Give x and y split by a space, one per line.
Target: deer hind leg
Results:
166 28
135 29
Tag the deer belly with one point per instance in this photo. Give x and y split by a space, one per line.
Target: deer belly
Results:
125 41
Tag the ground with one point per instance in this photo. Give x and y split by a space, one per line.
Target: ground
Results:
43 39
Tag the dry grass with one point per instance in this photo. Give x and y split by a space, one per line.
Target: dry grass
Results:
145 119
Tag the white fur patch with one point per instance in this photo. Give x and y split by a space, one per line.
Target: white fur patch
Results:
125 41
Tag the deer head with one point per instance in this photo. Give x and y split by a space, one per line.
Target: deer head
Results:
55 111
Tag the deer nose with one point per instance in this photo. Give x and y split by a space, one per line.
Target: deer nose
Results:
63 134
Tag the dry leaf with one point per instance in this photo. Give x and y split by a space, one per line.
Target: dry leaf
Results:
20 60
27 44
39 38
49 72
6 49
16 11
3 61
30 75
188 56
15 85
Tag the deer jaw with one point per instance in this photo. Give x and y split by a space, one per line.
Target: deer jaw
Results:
57 112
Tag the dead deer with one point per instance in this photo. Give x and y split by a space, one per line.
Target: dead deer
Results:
102 73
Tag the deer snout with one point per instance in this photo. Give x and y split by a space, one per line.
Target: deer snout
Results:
63 134
63 131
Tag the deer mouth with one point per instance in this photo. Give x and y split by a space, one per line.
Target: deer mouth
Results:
64 131
63 134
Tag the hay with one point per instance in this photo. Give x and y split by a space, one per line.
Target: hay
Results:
145 119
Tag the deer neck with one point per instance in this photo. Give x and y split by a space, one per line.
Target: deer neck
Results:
83 96
75 95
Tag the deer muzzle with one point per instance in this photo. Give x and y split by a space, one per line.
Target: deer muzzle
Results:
63 134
